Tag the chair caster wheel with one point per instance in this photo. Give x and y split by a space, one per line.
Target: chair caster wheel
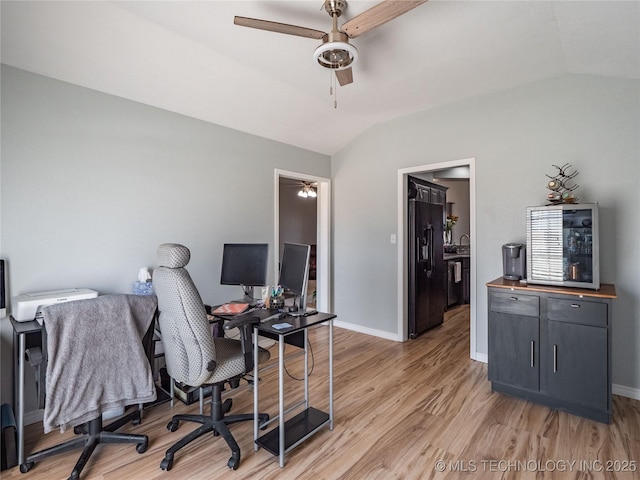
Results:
172 426
233 463
142 447
227 405
166 463
25 467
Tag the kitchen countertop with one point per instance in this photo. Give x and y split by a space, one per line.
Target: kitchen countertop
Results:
607 290
453 256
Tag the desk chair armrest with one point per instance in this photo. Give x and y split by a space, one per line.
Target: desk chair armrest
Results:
241 320
245 324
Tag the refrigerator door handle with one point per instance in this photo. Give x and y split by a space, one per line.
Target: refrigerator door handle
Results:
421 249
429 246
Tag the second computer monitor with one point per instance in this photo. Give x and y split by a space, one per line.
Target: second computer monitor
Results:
294 271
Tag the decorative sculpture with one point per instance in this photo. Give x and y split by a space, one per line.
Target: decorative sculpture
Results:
562 186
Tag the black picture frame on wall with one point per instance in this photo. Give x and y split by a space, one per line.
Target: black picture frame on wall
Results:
2 289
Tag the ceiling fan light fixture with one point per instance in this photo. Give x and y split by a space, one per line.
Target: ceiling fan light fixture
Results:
336 55
307 191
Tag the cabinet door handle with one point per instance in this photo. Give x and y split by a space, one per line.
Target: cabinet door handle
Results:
533 344
575 305
515 299
555 358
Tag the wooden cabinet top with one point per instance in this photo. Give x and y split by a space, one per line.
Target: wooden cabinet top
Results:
607 290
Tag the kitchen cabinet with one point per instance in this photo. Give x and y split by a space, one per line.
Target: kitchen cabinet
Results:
578 370
466 280
428 192
511 336
438 195
552 345
458 293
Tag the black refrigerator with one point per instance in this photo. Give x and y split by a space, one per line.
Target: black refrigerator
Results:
427 282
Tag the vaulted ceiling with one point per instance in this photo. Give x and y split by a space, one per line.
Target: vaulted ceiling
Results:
189 57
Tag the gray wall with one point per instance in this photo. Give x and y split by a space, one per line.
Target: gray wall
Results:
515 136
92 183
458 194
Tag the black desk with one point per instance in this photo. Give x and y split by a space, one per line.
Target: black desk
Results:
26 335
296 339
292 432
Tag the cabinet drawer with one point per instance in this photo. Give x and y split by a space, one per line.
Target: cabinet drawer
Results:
515 304
577 311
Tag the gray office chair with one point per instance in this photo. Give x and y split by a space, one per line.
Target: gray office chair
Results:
193 356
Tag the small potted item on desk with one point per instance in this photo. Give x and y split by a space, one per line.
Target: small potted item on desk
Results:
276 300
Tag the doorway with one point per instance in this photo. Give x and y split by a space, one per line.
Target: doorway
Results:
322 185
402 259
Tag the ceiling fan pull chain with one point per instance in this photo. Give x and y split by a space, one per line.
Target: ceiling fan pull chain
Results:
331 83
333 91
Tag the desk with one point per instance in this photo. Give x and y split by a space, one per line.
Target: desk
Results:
295 430
23 333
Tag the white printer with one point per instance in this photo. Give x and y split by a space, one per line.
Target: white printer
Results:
28 306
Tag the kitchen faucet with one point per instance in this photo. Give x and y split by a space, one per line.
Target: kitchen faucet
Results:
462 236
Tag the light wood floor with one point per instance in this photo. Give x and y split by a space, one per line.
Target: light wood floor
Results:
400 408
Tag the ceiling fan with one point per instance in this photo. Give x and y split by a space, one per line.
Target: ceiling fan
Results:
306 189
335 52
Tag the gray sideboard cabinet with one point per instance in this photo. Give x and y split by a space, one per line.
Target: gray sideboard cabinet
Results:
552 345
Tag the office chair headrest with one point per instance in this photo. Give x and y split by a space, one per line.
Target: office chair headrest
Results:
173 255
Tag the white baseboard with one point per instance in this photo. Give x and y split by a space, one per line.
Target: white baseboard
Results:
34 416
625 391
480 357
369 331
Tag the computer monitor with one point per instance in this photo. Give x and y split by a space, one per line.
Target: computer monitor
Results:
245 264
294 272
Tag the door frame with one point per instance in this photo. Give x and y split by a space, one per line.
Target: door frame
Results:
323 233
402 228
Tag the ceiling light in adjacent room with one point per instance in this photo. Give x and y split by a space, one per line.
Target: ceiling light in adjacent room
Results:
307 191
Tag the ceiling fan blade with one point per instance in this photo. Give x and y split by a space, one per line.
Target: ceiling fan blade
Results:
377 15
345 77
278 27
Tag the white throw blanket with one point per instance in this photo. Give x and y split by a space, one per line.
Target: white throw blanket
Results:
96 361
